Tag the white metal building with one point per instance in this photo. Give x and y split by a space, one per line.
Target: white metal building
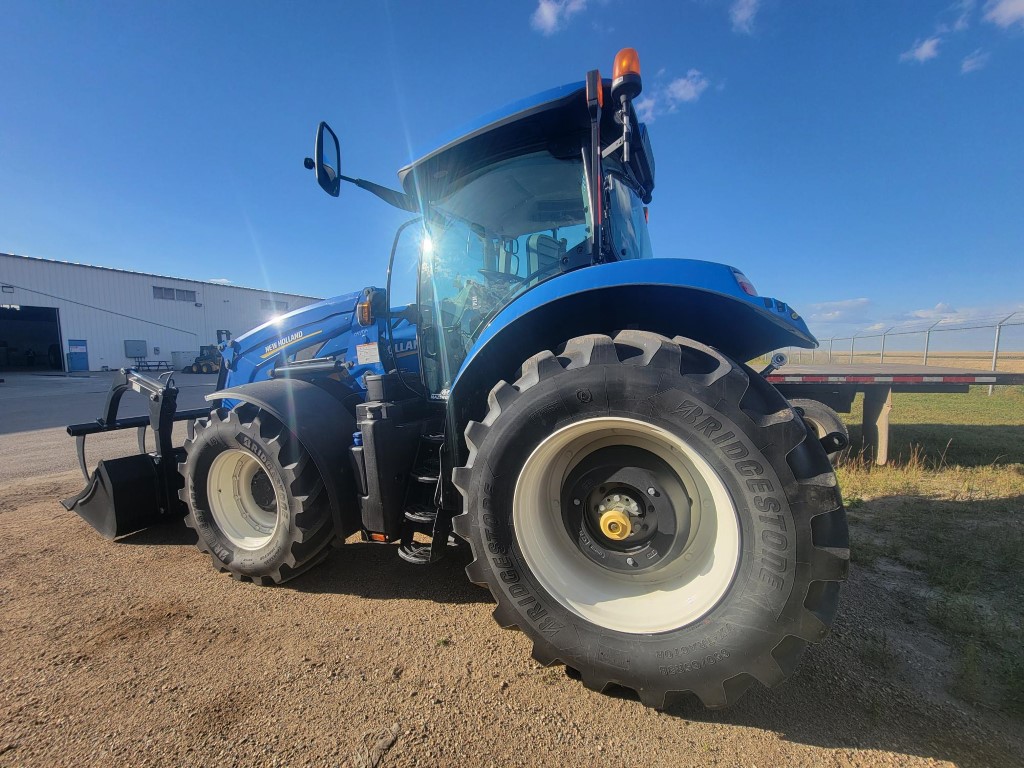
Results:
58 315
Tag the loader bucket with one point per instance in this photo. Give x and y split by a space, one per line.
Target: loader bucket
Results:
128 494
122 496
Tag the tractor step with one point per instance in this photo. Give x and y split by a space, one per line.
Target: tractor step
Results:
415 553
421 503
421 513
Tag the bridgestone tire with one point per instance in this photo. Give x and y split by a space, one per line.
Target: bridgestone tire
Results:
823 421
792 545
300 529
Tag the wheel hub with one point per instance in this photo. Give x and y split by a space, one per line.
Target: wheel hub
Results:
615 523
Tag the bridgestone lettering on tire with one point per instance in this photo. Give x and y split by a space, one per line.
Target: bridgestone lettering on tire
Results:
255 498
717 574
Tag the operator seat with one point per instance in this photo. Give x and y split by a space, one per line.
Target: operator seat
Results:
543 254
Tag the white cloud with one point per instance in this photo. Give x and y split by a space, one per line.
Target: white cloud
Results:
844 310
940 311
665 99
974 61
687 88
963 9
550 16
742 14
922 50
1005 13
221 280
645 108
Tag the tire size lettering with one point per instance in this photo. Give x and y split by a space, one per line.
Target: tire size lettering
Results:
704 644
696 664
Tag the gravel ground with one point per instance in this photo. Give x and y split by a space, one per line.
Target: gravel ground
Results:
138 653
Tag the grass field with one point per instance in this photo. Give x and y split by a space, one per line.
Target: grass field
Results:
949 512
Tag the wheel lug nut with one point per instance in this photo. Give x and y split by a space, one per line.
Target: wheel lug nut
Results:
631 562
576 502
650 491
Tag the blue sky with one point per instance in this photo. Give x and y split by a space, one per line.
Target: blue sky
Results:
863 161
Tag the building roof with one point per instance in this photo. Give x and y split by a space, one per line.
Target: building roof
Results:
161 277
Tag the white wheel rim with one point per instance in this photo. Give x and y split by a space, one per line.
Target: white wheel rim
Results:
819 429
678 594
235 510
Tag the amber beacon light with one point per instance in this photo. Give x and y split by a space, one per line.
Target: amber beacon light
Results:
626 74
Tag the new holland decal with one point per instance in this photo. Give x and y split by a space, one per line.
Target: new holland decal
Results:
286 341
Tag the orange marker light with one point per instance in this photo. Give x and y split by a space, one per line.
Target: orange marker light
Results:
364 315
627 62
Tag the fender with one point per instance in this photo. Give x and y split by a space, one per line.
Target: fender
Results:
323 425
675 297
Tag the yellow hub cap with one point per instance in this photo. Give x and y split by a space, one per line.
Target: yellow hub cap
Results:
615 524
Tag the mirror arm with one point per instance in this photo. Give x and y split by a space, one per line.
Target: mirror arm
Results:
393 197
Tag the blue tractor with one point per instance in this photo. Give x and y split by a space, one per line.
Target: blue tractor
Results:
641 503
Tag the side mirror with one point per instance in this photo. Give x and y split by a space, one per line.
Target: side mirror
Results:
328 160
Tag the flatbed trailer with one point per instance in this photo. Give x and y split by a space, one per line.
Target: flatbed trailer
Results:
837 385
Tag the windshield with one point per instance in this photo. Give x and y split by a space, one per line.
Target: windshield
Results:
503 230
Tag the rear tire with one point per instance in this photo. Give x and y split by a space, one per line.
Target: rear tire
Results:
725 572
255 498
823 421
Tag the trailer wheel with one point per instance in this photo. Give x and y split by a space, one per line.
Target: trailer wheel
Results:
823 421
654 516
255 498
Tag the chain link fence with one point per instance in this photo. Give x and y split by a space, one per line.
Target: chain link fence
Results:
987 343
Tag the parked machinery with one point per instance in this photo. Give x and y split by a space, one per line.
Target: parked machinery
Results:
642 504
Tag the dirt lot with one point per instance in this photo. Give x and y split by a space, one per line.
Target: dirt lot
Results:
137 653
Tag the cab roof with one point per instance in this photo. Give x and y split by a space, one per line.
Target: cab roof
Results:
555 119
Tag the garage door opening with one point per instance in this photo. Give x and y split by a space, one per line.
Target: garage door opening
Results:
30 339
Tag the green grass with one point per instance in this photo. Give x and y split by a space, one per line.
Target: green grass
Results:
951 507
953 429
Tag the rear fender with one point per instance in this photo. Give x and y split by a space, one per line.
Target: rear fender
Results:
700 300
324 427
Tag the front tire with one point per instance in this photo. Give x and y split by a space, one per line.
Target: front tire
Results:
655 516
255 497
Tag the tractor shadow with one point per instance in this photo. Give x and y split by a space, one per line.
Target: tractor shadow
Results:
376 572
373 571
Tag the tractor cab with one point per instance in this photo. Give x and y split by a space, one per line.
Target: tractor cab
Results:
510 203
